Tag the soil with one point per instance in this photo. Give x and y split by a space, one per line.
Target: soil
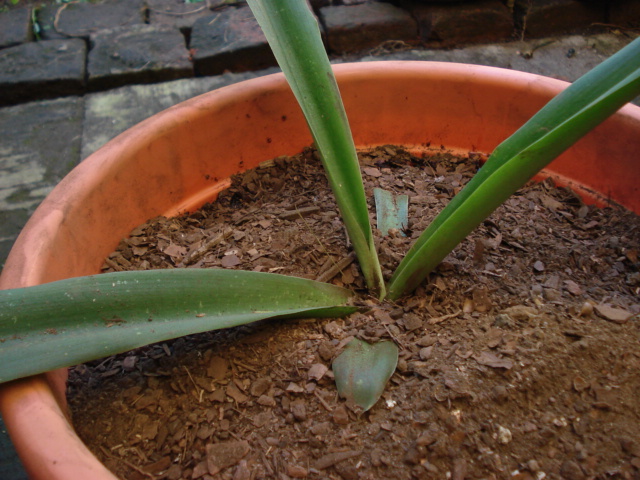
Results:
519 356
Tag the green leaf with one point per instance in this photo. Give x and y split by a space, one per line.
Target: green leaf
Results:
72 321
564 120
294 37
362 371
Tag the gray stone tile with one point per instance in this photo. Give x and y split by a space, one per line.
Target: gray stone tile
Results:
46 69
15 27
229 40
552 17
177 13
137 54
44 147
81 19
452 24
350 28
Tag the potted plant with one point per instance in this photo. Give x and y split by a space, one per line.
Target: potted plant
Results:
162 166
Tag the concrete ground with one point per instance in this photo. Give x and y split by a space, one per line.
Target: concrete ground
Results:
42 141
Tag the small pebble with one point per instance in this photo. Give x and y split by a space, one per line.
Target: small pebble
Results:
504 435
586 309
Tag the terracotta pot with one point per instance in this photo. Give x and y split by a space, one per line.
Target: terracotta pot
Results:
180 158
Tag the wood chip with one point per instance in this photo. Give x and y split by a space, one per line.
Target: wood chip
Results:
317 371
492 360
217 368
193 256
294 388
572 287
331 459
436 320
299 212
372 172
225 454
229 261
336 268
235 393
613 314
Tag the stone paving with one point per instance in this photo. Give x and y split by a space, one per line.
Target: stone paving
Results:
110 43
94 70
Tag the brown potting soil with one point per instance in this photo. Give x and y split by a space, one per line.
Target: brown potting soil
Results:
519 356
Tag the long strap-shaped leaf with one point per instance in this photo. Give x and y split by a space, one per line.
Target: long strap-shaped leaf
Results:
72 321
294 37
564 120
